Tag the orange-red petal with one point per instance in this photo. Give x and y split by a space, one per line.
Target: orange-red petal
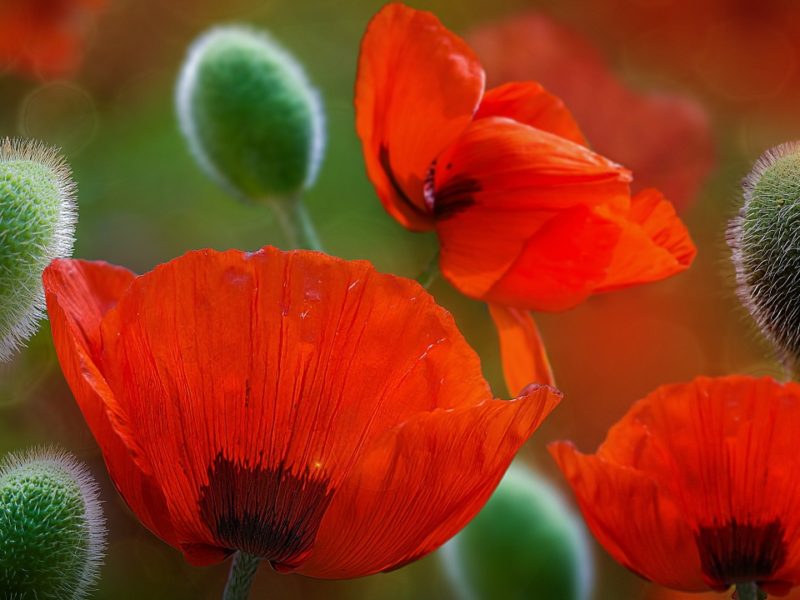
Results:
421 483
417 88
501 184
722 453
561 265
529 103
79 294
654 244
638 526
521 349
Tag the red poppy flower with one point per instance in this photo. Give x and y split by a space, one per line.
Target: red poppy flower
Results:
294 406
528 218
44 38
697 486
665 139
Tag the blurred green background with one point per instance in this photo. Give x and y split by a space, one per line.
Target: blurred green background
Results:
143 201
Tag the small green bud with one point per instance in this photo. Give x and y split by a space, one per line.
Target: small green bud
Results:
765 243
251 118
37 224
525 543
52 534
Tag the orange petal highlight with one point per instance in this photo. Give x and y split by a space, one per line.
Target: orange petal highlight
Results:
420 484
521 349
654 244
530 104
500 183
417 88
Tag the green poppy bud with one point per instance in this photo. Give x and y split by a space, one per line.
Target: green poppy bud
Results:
52 534
252 119
37 223
765 240
525 543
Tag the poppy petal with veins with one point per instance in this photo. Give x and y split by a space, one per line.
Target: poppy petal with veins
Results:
250 389
696 487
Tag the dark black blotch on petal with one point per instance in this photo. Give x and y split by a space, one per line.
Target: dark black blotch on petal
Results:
455 196
273 513
741 552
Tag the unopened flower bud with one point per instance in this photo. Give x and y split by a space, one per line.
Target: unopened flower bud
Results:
37 223
765 240
252 119
52 534
525 543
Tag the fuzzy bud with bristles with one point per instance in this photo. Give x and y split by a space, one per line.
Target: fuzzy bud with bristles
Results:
251 118
37 223
52 533
765 240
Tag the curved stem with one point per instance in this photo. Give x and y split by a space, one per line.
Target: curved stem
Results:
430 273
295 222
749 591
240 578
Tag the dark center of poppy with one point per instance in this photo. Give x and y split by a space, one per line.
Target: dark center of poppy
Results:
451 198
442 203
741 552
272 513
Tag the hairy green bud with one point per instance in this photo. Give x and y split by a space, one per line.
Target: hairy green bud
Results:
37 223
52 534
765 243
525 543
251 118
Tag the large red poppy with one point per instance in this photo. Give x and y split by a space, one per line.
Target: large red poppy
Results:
528 218
44 38
298 407
698 486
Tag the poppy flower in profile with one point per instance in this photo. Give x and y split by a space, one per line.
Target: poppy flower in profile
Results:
664 138
528 218
696 488
44 38
293 406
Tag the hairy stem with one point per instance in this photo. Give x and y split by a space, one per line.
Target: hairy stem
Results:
748 591
240 578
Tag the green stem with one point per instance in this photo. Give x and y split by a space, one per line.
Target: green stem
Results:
240 578
749 591
430 273
295 222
